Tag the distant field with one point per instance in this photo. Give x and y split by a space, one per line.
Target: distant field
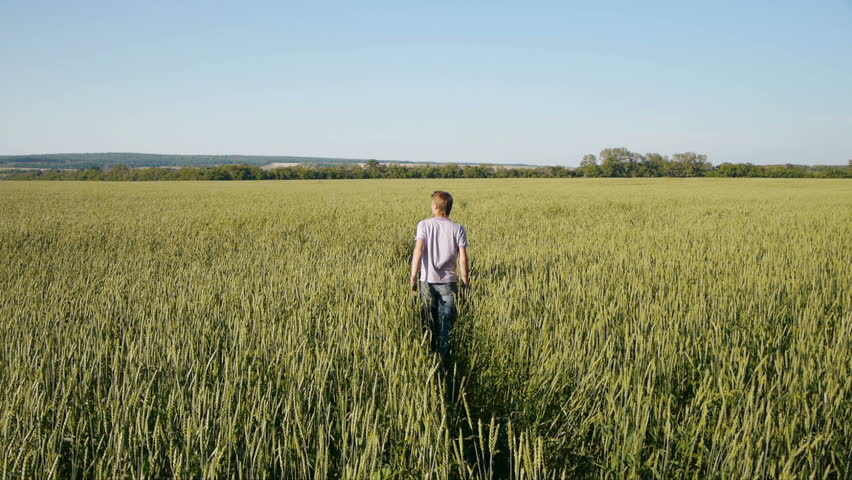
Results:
281 164
617 328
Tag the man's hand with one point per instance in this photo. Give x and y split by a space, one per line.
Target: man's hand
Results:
415 263
465 267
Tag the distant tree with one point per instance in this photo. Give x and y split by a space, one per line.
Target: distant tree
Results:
690 164
617 162
785 171
561 172
834 172
119 172
734 169
589 166
241 172
190 173
451 170
394 171
474 171
756 171
218 173
654 165
539 172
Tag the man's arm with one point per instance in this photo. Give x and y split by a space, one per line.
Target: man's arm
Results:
415 262
463 266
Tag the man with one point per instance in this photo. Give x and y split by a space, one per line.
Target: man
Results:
440 244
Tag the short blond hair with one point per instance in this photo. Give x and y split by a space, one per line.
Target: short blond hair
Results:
443 201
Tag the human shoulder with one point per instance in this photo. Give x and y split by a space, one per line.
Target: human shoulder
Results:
425 225
460 234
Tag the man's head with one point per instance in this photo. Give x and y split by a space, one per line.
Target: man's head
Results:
442 203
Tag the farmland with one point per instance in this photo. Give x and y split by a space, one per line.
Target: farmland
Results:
616 328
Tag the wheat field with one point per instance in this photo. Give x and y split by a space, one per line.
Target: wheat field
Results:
616 328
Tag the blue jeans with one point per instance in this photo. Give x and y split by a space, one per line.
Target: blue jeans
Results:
439 316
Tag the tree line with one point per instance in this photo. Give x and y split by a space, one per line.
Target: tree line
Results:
611 162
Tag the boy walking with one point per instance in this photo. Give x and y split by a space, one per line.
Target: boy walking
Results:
440 244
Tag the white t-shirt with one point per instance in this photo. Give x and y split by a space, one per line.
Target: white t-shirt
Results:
442 239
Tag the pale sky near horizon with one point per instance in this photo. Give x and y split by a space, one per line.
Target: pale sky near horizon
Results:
467 81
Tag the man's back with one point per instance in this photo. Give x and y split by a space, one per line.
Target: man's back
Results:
442 239
438 245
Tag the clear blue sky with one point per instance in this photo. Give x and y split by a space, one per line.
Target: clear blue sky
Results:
466 81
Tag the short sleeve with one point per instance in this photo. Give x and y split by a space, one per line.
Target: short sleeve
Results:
462 240
421 232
